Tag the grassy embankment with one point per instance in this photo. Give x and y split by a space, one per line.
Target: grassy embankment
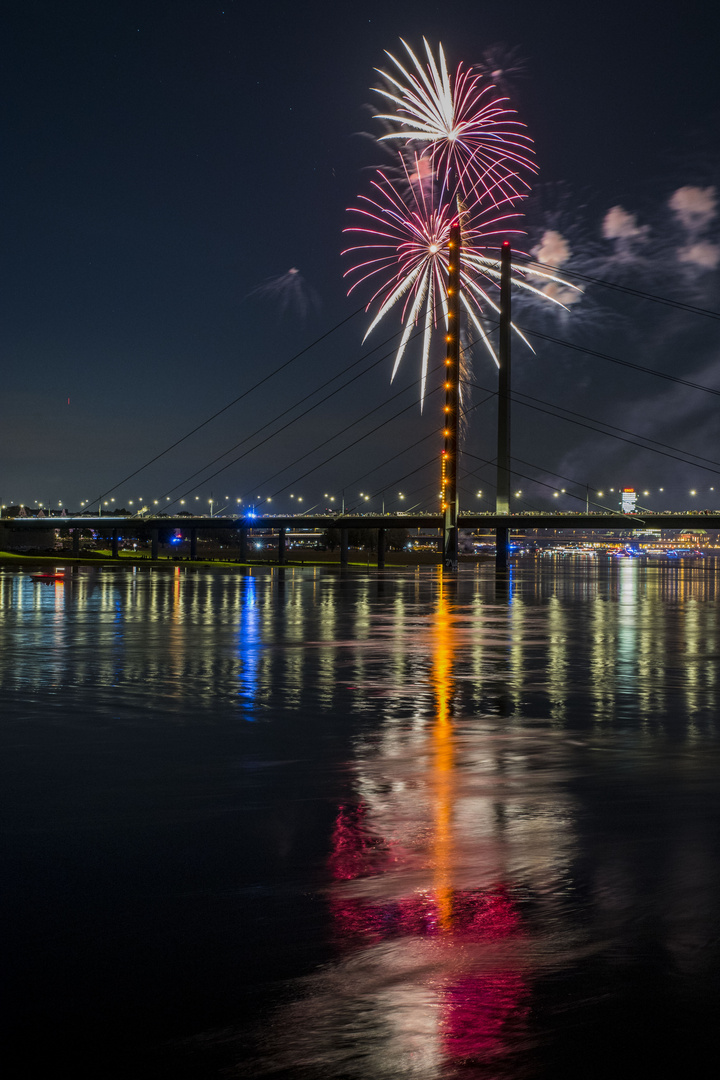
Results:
103 557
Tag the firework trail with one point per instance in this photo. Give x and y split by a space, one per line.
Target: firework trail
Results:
473 138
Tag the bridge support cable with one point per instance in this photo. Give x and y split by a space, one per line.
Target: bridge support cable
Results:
502 490
284 427
623 363
679 305
337 454
407 449
430 484
399 479
230 404
451 430
573 417
531 479
277 418
653 445
342 431
551 487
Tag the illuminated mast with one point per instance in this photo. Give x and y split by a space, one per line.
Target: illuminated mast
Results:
451 429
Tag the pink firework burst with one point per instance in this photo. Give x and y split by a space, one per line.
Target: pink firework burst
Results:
402 254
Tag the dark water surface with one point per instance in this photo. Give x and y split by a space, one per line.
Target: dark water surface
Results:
299 824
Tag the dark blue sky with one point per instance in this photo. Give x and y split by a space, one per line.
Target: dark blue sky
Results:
163 159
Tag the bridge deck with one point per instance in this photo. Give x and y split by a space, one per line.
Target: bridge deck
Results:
535 520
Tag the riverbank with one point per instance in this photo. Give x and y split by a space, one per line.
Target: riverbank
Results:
310 559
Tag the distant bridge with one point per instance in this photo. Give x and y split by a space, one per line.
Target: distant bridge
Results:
536 519
114 527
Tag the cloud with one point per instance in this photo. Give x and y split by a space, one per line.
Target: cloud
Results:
553 249
695 207
619 224
702 253
562 293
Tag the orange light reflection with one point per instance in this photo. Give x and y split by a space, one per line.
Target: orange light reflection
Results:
443 757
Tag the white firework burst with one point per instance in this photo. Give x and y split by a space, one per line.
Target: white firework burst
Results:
473 137
403 253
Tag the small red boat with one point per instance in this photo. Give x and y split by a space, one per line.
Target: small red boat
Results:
47 577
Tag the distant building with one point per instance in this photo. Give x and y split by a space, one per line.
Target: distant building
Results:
628 498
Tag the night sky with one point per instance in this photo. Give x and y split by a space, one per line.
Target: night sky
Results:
163 161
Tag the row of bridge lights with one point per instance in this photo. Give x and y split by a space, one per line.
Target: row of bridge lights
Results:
602 494
614 491
145 507
299 500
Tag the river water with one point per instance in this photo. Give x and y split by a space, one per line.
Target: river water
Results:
295 823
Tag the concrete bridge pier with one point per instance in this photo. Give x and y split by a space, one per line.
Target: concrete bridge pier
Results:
343 547
243 544
502 548
114 544
193 544
381 549
282 548
154 538
76 543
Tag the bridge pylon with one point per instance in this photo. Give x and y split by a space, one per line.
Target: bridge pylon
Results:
502 496
451 416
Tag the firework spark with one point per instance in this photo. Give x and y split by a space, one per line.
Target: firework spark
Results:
472 136
403 253
503 65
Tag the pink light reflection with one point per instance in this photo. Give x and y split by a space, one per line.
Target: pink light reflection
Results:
479 1010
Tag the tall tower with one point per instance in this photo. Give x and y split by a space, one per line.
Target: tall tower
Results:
451 415
502 501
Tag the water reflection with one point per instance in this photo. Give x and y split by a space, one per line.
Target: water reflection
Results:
444 952
649 630
455 863
522 773
451 824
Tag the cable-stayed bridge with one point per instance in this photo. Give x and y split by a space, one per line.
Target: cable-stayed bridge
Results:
452 517
117 528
